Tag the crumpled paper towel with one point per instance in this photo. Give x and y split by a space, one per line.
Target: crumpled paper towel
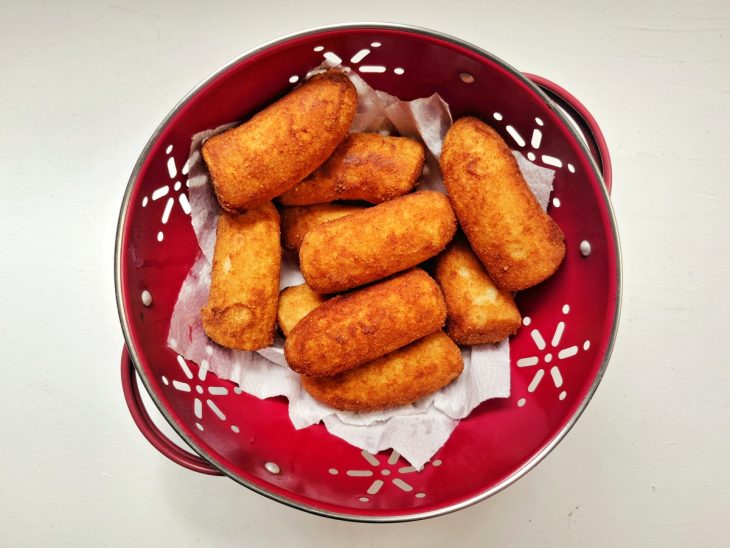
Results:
416 431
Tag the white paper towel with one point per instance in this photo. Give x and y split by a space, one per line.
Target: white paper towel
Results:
416 431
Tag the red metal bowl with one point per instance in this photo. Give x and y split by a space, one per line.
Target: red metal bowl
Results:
558 358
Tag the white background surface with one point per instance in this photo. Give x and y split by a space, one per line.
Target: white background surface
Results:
83 86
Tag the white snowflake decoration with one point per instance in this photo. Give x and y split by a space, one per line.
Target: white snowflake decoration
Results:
385 471
548 355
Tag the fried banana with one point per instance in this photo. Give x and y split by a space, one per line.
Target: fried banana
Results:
294 303
374 243
296 221
519 244
244 287
398 378
358 327
365 166
477 311
277 148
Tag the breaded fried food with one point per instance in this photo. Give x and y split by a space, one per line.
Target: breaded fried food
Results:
478 312
358 327
277 148
371 244
244 286
398 378
296 221
365 166
519 244
294 303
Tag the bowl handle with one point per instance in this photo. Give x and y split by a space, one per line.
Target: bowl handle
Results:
149 430
592 134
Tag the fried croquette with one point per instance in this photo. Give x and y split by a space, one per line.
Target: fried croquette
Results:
244 286
358 327
477 311
277 148
519 244
365 166
294 303
296 221
374 243
398 378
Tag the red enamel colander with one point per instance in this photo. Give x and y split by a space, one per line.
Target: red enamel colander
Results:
557 358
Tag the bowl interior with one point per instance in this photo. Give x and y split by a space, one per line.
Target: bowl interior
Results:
556 358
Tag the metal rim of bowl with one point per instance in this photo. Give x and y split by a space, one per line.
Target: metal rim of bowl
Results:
527 466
